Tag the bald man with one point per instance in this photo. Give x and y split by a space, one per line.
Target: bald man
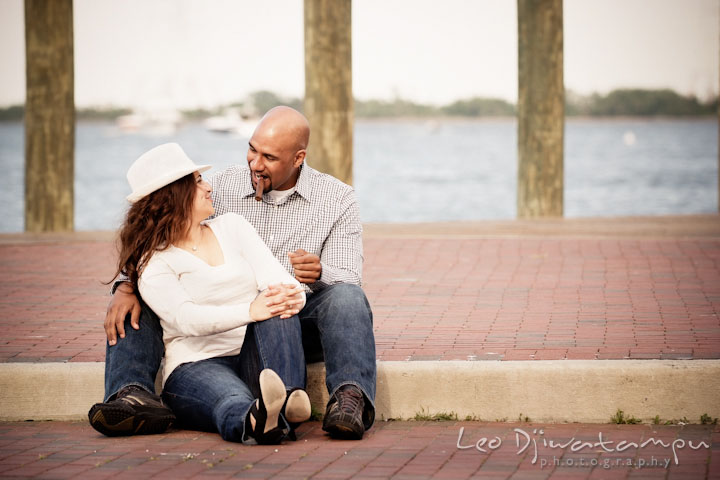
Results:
310 222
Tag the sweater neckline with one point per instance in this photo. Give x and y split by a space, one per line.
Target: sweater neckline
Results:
225 260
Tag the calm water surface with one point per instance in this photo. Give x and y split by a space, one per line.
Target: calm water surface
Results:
418 171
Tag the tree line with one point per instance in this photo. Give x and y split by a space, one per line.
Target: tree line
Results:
620 102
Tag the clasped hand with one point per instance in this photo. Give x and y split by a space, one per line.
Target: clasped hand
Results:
281 299
284 300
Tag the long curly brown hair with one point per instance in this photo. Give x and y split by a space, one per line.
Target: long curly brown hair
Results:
152 224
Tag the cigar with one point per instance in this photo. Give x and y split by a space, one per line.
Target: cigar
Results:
259 190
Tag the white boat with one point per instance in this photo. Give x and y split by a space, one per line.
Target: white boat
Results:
231 121
156 123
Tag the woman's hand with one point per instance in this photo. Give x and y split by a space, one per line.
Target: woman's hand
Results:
282 299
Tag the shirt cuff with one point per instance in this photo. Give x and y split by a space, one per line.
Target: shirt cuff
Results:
117 284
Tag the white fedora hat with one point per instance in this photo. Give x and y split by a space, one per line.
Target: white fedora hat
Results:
159 167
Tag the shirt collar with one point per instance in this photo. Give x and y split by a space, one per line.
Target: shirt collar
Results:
304 182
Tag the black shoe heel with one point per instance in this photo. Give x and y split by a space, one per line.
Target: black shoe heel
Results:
266 410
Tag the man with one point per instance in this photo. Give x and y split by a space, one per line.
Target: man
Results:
310 222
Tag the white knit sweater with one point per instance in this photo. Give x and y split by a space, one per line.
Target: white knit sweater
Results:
204 309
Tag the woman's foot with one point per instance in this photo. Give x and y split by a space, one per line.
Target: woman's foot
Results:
264 414
297 406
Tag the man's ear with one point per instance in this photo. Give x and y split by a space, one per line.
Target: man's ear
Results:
299 158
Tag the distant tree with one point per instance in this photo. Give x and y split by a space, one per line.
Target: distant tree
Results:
576 104
396 108
263 100
480 107
621 102
12 114
93 113
198 113
647 103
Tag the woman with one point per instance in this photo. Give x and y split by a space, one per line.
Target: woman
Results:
202 279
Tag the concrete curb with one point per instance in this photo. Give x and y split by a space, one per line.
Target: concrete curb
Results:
552 391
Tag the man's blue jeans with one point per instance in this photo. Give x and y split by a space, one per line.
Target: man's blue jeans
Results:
336 326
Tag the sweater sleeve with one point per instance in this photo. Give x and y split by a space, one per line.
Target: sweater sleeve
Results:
179 315
267 268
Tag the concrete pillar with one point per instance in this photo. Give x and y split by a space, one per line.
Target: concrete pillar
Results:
49 116
541 108
328 86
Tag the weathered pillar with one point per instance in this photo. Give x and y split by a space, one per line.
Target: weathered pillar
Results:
541 108
328 86
49 116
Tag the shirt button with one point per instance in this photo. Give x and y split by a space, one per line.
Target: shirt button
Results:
275 206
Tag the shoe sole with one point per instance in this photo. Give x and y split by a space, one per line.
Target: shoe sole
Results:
343 431
113 421
272 390
298 408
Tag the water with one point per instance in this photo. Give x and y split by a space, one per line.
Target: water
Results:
417 171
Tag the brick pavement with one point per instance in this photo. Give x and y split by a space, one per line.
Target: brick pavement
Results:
435 297
400 450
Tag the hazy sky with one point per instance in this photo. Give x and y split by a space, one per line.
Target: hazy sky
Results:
185 53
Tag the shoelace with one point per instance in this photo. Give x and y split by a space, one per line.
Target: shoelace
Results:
132 400
128 397
349 400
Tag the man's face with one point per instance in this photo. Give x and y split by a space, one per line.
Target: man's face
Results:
272 161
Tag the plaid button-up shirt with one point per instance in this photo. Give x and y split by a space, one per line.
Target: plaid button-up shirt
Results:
321 217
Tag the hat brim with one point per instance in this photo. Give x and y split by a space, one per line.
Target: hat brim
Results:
158 183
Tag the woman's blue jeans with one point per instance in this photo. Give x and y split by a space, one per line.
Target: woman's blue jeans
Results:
211 395
336 327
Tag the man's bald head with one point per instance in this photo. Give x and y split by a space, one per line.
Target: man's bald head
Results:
286 126
277 148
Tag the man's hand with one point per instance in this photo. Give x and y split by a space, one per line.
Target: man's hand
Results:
283 300
306 265
123 302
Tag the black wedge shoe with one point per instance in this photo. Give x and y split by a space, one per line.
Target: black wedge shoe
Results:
266 410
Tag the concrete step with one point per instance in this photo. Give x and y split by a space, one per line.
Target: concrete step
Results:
552 391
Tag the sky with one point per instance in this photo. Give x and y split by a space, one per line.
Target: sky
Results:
205 53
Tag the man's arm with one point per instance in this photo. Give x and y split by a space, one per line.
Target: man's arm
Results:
124 301
340 260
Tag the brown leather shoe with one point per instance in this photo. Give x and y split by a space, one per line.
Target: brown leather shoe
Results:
344 414
134 411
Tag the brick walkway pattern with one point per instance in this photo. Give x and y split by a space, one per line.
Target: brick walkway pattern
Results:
398 450
433 298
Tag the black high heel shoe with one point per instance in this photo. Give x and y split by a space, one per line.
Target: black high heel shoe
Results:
266 410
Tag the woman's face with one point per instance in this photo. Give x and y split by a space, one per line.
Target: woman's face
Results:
202 207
